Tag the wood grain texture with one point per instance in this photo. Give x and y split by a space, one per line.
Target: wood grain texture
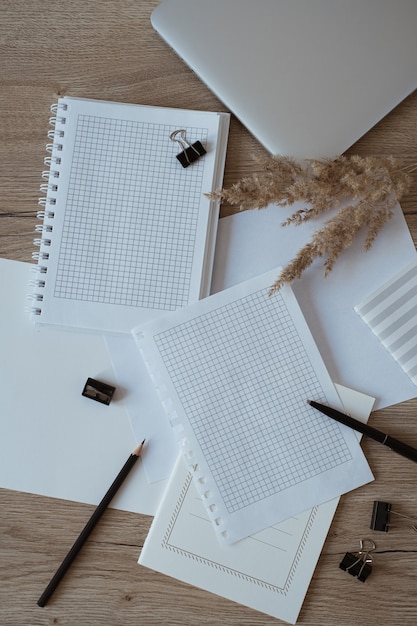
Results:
106 49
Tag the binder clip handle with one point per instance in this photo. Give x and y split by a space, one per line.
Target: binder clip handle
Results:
359 565
189 152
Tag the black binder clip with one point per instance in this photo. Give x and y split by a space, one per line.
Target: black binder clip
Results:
190 152
96 390
359 564
381 514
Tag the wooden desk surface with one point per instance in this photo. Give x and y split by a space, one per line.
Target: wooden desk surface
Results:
107 50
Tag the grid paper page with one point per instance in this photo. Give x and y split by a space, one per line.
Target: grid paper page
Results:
131 212
132 228
240 367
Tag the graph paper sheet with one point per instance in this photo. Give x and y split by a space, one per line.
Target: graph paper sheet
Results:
127 231
391 313
234 372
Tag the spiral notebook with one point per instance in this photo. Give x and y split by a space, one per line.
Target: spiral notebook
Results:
234 372
127 231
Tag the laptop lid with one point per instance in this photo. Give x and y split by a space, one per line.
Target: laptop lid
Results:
307 77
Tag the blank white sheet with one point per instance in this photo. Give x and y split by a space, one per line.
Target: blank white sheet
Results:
53 441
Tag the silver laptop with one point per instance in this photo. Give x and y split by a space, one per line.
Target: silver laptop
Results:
307 77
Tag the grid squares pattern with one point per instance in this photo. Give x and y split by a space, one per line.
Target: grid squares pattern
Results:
234 373
131 216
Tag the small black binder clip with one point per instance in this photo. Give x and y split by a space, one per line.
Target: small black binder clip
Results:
381 514
189 152
359 564
96 390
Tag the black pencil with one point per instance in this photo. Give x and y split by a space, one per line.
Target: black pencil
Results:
59 574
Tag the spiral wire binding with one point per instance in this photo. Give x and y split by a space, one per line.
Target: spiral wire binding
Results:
49 189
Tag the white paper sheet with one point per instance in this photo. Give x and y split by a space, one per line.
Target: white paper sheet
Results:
234 372
53 441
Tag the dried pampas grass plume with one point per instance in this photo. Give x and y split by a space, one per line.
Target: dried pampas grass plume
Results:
371 185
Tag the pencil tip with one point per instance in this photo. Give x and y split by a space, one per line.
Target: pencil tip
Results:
138 450
308 401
